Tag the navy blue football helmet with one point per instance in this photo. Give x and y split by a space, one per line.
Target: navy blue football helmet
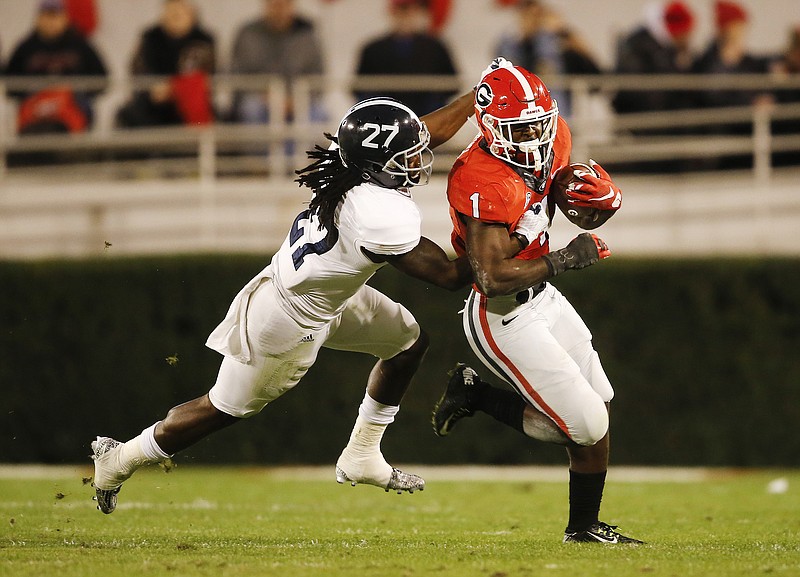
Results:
387 142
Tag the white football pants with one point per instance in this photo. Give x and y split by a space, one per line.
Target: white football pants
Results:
283 351
544 350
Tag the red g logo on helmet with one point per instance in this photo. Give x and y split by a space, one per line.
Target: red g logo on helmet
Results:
517 117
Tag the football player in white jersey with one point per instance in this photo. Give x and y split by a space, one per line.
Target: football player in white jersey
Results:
314 294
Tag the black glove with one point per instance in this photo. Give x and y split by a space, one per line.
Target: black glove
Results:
582 251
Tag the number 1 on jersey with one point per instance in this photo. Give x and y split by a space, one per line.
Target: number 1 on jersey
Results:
474 197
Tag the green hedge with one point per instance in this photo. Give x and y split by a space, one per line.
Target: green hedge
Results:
702 354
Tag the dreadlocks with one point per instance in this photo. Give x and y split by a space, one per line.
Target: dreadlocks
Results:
330 180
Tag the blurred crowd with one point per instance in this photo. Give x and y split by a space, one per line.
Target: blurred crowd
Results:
181 50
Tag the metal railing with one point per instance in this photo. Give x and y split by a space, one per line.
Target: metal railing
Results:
597 130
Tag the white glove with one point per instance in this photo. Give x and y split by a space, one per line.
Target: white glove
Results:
498 62
533 223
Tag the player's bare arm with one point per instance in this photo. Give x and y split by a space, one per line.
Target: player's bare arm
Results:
429 262
444 122
498 273
495 272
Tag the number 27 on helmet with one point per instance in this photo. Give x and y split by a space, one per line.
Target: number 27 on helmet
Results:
387 142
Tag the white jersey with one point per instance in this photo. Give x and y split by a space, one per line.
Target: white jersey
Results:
315 273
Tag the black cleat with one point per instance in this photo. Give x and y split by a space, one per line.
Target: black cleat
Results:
458 399
600 533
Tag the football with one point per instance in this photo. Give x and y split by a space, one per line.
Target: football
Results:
585 217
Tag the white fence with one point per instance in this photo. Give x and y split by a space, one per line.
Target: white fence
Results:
597 131
190 204
688 215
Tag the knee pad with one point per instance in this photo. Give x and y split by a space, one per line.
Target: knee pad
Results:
593 424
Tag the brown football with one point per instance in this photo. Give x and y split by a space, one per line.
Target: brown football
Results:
585 217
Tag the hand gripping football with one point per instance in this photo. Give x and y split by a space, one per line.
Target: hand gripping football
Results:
564 183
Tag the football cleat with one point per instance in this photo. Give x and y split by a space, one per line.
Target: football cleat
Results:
105 453
600 533
399 481
458 399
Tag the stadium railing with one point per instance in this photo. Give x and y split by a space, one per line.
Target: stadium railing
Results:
230 148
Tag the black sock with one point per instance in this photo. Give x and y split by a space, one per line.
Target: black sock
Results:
504 405
585 494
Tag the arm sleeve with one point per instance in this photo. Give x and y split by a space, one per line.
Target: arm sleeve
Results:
393 231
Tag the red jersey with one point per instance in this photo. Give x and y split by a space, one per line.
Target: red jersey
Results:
488 189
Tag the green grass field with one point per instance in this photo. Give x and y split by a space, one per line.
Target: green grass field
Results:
252 522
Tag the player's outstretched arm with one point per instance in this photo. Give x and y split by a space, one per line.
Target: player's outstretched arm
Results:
428 262
444 122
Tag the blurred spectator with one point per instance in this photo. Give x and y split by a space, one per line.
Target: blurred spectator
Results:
544 45
408 49
789 61
728 54
659 46
788 64
179 48
279 42
54 49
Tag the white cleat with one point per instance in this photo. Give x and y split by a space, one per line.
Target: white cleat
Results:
398 481
107 479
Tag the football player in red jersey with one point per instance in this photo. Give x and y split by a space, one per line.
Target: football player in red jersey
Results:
521 327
